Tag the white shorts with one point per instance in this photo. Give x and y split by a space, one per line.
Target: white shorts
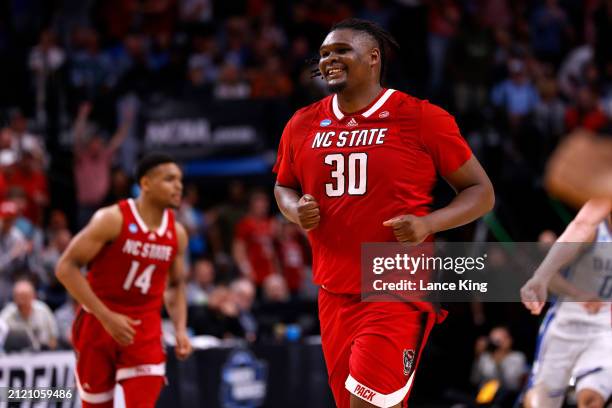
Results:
559 359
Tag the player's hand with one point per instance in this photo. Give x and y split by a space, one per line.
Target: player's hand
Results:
409 228
182 349
120 327
534 294
593 306
308 212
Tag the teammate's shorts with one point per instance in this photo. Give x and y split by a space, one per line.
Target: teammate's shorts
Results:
371 349
559 358
101 362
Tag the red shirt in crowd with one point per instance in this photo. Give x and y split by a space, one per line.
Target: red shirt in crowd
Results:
258 237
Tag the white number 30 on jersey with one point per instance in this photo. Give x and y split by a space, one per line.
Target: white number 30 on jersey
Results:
355 181
143 281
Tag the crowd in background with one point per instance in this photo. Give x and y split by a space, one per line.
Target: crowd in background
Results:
518 75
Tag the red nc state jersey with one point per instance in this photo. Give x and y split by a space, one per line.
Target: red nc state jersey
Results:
364 168
129 274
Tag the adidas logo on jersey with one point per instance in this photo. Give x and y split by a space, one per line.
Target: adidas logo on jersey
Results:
352 122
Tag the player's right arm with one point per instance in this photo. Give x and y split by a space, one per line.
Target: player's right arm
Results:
578 234
104 227
303 211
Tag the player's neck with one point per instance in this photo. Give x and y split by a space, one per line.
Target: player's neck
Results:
356 99
151 215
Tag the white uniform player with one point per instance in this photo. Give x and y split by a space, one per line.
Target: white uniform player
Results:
574 342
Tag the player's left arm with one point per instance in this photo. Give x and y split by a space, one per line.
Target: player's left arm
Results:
475 197
175 297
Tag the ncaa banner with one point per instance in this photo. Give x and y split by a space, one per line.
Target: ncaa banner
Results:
35 374
189 130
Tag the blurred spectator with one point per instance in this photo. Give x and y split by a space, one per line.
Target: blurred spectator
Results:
90 69
291 254
586 113
516 96
548 115
229 213
572 71
64 316
202 282
30 314
231 84
93 160
45 61
496 361
13 249
28 176
253 249
549 30
444 19
54 292
271 81
376 11
243 292
496 14
471 67
275 289
120 186
195 221
218 318
281 318
21 140
196 11
237 51
57 222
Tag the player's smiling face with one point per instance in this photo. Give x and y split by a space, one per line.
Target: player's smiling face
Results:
348 58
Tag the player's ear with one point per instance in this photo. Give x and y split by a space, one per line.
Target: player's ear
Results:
145 181
374 56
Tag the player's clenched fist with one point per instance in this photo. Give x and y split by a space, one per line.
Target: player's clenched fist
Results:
308 212
409 228
533 295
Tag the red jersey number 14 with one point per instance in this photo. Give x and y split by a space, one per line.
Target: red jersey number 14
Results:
143 281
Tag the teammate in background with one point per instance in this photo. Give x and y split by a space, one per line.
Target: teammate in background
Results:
132 249
359 166
575 337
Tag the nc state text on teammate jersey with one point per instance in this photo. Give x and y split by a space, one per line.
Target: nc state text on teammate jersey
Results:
352 138
147 250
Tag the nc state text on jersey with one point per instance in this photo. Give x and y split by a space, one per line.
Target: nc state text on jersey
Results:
147 250
352 138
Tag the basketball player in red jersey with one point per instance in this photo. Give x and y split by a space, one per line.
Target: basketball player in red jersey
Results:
359 166
131 249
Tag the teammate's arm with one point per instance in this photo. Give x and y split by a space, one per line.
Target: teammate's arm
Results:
580 232
104 226
474 198
175 298
303 211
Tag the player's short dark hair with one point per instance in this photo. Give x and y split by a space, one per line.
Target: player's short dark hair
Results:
383 38
149 162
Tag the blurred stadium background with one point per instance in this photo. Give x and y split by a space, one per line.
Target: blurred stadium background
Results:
87 86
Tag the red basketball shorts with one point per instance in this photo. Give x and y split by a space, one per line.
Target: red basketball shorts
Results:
102 362
371 349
